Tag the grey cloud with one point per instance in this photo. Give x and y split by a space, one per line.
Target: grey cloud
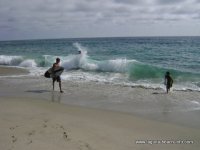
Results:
61 15
84 7
53 9
128 1
170 1
5 26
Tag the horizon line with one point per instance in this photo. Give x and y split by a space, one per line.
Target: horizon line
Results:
100 37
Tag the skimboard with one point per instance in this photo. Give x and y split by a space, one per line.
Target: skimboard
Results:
50 73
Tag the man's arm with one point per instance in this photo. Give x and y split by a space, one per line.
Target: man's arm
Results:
54 66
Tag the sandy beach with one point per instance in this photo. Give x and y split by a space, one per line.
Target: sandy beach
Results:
94 116
12 71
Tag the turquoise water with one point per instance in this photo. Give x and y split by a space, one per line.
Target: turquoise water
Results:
137 61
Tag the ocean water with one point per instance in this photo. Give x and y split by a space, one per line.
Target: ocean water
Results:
128 61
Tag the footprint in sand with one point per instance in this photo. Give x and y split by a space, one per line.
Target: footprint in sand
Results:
65 135
84 146
29 142
31 133
14 139
13 128
88 146
61 127
45 123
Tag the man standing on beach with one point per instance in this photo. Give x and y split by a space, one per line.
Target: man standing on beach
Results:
56 77
168 81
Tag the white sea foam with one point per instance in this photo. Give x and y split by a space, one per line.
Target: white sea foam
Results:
10 60
83 61
28 63
80 48
195 102
17 61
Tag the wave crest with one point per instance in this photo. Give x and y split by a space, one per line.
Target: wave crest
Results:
17 61
28 63
10 60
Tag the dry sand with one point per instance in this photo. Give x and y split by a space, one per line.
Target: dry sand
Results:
35 124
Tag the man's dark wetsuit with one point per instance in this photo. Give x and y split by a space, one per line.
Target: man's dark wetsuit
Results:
169 81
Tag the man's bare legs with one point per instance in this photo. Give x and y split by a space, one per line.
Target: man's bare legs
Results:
53 84
60 87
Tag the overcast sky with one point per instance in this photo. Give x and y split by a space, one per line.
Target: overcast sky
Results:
32 19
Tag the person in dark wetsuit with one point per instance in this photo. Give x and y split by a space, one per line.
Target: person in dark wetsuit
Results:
57 78
168 81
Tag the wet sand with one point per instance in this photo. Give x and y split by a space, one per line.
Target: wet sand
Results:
4 71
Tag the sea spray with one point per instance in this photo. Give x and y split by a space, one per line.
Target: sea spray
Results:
28 63
80 48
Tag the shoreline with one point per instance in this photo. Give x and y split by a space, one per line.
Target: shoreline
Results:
14 71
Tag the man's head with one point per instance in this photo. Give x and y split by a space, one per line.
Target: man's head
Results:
167 73
57 60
